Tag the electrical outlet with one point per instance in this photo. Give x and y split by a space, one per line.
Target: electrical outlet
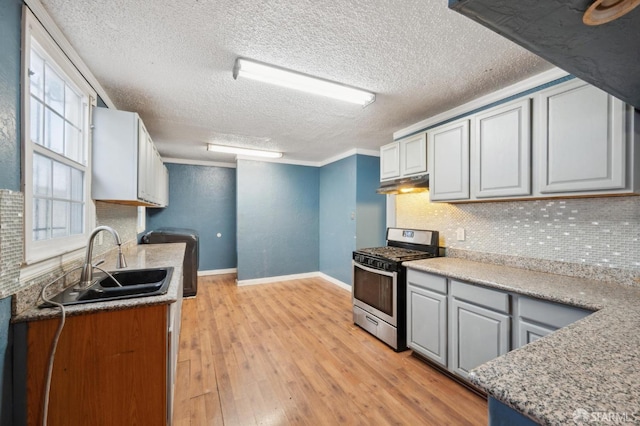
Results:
100 238
460 234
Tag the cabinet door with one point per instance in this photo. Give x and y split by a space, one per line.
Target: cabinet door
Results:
143 147
150 171
413 155
478 335
528 332
501 151
448 157
582 145
390 161
427 323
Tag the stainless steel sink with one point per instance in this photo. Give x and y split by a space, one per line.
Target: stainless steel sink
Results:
133 283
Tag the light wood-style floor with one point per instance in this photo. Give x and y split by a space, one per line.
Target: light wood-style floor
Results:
289 353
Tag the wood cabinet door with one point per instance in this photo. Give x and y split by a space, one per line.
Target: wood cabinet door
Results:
413 155
501 151
582 146
427 323
478 335
390 161
448 158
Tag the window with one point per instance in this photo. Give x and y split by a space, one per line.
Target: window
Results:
57 105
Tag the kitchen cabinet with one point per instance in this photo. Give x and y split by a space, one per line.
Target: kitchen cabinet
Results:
570 139
460 325
127 167
480 326
407 157
538 318
501 151
448 159
173 339
413 155
427 315
390 161
111 367
583 139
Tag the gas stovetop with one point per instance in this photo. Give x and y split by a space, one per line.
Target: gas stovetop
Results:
395 254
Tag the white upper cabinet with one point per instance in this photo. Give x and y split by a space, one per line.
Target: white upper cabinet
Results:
413 155
569 140
582 139
448 157
407 157
390 161
501 151
127 167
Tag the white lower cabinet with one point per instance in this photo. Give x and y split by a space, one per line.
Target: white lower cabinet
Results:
537 318
480 326
460 326
427 315
478 335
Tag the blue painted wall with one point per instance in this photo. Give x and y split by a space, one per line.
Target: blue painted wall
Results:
371 208
278 219
10 39
202 198
352 215
10 34
338 217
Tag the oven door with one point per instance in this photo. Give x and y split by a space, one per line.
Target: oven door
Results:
376 292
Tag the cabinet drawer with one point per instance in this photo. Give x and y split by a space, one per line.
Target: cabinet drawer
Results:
426 280
492 299
553 314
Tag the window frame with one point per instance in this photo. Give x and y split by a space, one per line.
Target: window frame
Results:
36 251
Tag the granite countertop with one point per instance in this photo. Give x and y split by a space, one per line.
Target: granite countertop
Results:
137 257
591 366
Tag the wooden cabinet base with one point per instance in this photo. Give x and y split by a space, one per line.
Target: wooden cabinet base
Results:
110 368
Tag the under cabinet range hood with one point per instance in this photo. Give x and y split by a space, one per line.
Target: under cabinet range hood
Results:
406 185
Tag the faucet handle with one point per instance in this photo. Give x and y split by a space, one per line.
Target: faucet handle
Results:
100 262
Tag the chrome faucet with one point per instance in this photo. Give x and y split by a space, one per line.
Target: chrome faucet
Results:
87 269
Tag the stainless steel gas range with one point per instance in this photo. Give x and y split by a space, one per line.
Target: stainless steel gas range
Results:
379 283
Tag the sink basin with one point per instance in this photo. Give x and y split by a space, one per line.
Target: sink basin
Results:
134 283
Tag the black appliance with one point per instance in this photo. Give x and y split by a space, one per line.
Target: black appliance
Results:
190 263
379 285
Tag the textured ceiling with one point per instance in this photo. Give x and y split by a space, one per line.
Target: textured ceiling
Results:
171 61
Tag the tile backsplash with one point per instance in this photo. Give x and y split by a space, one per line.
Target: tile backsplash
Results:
603 232
121 217
11 247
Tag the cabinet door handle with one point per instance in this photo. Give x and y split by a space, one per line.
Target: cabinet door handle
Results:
371 320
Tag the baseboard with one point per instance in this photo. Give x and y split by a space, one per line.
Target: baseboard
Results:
268 280
217 272
335 281
316 274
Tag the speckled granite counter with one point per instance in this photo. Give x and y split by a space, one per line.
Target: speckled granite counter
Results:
590 366
138 257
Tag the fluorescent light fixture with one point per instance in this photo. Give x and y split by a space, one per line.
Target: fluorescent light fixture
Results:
243 151
306 83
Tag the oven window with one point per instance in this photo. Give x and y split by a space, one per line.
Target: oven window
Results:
375 290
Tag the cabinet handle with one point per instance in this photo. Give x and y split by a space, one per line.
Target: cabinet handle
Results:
371 320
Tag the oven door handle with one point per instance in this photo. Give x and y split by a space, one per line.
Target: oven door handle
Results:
372 270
